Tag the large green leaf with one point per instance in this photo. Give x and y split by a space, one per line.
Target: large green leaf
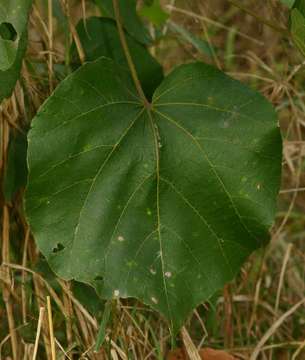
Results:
13 22
99 37
130 18
162 204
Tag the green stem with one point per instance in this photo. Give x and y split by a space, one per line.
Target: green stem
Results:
261 20
130 62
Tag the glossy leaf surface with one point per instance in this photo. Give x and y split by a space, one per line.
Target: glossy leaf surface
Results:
163 204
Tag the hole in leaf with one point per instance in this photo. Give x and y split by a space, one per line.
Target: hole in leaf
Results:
59 247
98 278
8 32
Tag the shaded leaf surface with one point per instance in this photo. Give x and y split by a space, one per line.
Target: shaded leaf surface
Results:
13 22
131 20
300 5
99 37
162 205
16 170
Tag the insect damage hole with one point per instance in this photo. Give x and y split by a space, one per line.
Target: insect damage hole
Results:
98 278
59 247
8 32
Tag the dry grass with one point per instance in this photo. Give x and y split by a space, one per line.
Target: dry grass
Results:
261 315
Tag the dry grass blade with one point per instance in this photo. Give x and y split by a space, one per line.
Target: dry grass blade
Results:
40 321
51 329
273 329
190 348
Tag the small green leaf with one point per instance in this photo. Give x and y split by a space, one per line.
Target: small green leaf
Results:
297 29
288 3
154 13
201 45
130 18
13 22
99 37
297 25
164 203
16 171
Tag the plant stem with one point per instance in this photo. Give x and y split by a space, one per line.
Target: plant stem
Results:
257 17
127 53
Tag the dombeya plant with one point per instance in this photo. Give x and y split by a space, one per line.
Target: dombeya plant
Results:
161 199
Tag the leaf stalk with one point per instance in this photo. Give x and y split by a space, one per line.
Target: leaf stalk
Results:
130 62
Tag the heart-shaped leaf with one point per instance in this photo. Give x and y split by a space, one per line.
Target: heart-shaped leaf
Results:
162 203
13 22
99 37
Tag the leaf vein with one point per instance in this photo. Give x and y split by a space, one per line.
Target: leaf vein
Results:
202 219
212 168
